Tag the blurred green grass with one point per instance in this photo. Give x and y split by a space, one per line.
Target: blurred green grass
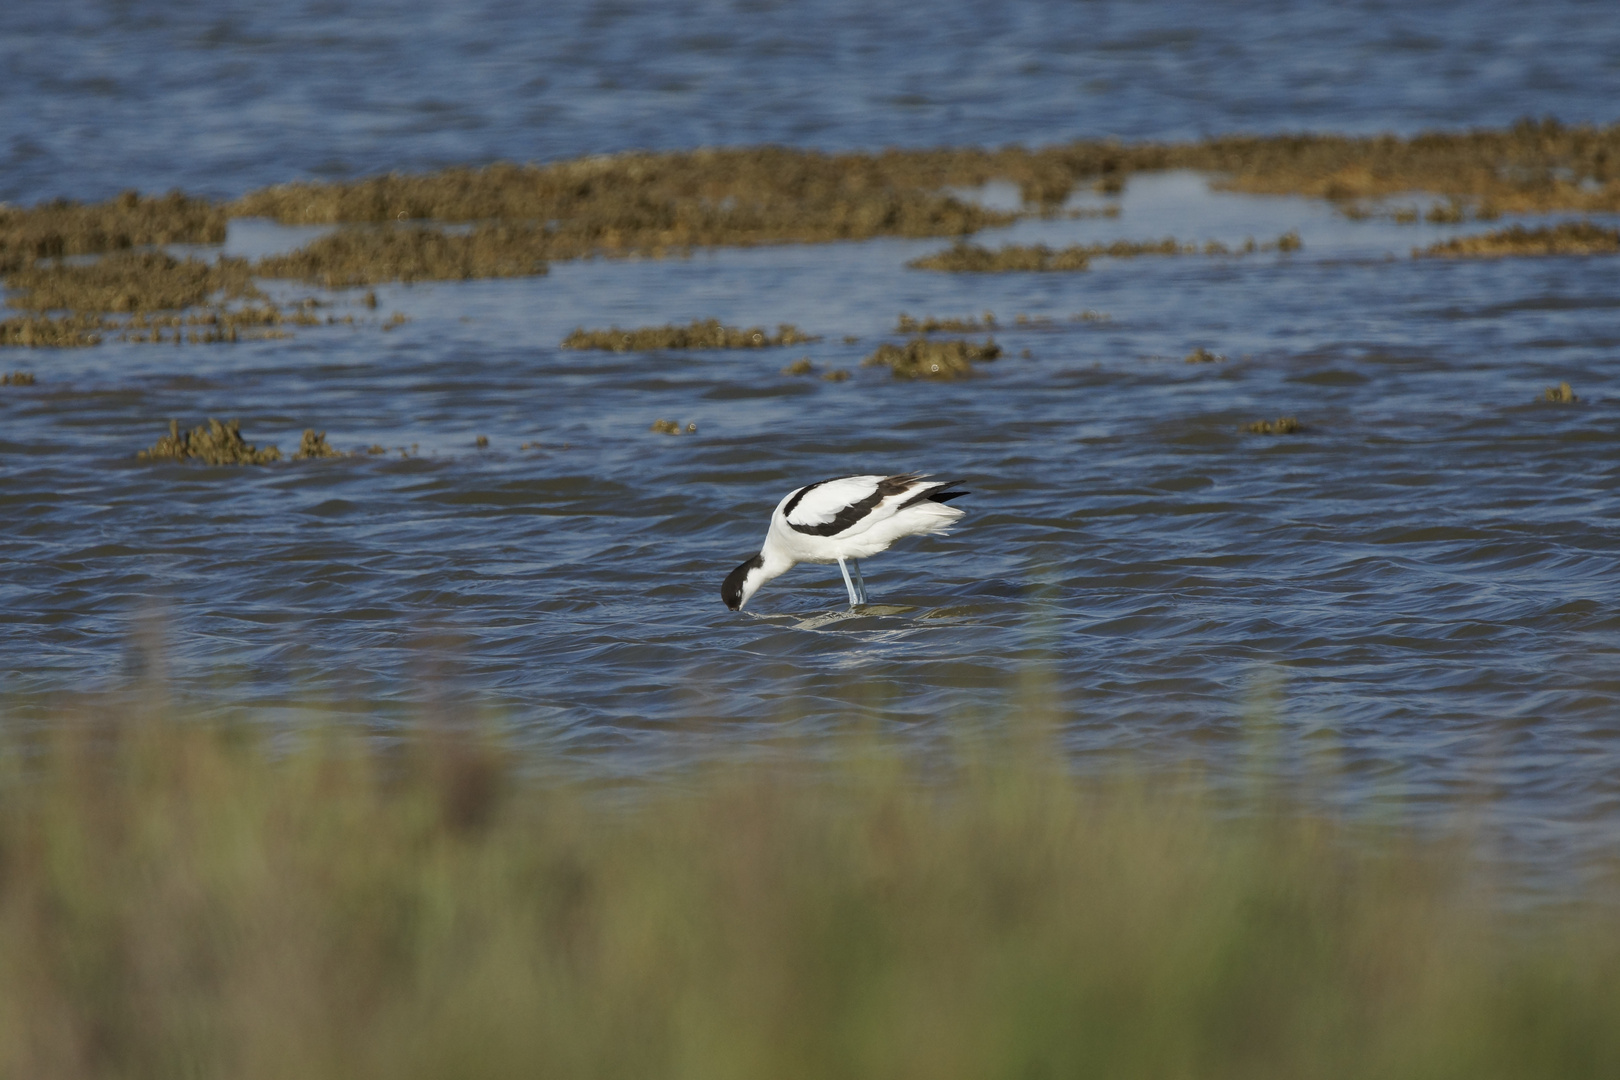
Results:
189 899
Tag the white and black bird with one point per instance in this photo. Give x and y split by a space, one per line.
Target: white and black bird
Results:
842 520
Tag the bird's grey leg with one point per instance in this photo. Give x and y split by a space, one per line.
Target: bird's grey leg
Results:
860 583
848 584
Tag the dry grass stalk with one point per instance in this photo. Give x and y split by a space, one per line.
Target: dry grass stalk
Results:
252 902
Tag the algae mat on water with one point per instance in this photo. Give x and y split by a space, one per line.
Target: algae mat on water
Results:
252 901
928 324
770 194
66 332
129 281
202 302
1569 238
928 358
60 228
523 216
214 443
221 443
1013 258
701 334
366 256
752 195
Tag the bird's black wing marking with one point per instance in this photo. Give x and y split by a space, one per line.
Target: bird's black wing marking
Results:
851 515
798 497
845 518
934 493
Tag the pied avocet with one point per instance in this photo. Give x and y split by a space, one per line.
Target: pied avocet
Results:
842 520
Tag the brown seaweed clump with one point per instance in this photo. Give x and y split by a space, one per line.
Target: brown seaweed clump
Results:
168 301
366 256
56 229
927 358
1532 167
1454 211
66 332
522 216
129 281
930 325
672 427
652 203
17 378
1202 355
1562 394
314 445
1130 249
655 203
801 366
213 443
756 195
1012 258
1283 425
708 334
211 326
1569 238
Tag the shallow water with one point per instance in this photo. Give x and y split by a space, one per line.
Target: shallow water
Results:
1420 589
228 95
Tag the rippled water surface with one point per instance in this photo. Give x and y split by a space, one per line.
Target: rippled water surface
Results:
1421 587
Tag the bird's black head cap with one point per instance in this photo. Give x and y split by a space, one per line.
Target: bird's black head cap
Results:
732 590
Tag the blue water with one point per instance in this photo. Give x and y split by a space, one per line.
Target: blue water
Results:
1419 592
222 96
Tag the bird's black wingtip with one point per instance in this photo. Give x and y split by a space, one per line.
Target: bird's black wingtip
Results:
939 493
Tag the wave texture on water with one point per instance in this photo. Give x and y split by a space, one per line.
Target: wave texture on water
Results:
1419 586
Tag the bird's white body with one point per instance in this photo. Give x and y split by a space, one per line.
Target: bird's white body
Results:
871 533
845 519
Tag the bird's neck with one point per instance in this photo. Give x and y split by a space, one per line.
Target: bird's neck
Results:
776 561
